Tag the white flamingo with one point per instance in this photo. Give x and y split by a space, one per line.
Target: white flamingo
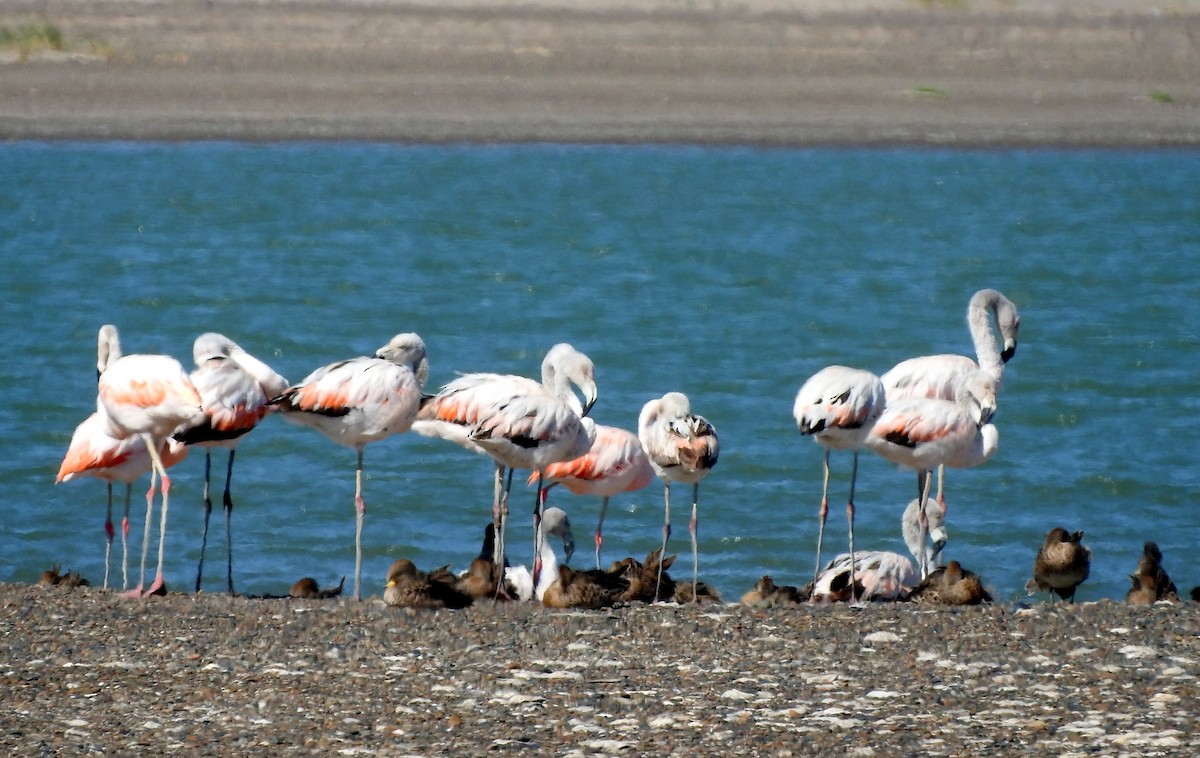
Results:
518 422
615 463
881 575
682 447
923 433
935 526
358 401
837 406
555 523
938 376
149 396
96 453
234 388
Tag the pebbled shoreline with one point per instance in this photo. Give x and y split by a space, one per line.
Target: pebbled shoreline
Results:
88 672
770 72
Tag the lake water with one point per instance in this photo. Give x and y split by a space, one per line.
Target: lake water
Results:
730 274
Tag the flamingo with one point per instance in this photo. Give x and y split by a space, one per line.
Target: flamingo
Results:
357 401
935 526
518 422
682 447
96 453
554 523
235 399
937 376
615 463
149 396
877 575
837 406
922 433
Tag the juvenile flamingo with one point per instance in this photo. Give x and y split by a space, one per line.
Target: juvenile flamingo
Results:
234 388
922 433
518 422
682 447
149 396
96 453
616 463
837 406
938 376
361 400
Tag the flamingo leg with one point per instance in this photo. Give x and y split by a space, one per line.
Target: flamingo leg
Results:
823 513
666 535
941 500
538 509
501 523
924 482
599 528
137 591
360 510
125 538
153 445
207 513
108 532
227 501
850 519
695 547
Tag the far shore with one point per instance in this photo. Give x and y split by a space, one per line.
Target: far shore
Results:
770 72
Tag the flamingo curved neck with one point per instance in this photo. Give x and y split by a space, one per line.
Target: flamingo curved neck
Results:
986 351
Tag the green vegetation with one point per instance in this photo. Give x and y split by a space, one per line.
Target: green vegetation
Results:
31 37
1160 96
932 92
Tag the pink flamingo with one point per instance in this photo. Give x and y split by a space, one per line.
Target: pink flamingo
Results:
361 400
837 406
149 396
96 453
921 433
682 447
880 574
937 376
519 423
616 463
234 388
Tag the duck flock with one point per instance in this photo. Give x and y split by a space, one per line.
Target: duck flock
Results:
925 414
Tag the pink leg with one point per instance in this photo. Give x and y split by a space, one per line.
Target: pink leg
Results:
360 510
125 539
158 586
137 591
823 513
108 532
850 518
666 532
695 548
599 528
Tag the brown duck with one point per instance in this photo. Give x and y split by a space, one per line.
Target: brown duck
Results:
951 585
308 589
409 587
767 594
584 589
1062 564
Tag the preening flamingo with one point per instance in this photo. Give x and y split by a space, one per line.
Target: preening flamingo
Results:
149 396
361 400
837 406
938 376
616 463
923 433
235 398
682 447
96 453
518 422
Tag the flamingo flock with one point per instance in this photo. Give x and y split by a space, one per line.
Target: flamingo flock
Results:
925 413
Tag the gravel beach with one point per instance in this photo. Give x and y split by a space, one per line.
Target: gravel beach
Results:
786 72
86 672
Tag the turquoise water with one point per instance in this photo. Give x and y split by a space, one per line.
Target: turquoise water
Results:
729 274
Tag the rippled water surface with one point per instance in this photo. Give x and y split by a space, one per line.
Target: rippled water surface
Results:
728 274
